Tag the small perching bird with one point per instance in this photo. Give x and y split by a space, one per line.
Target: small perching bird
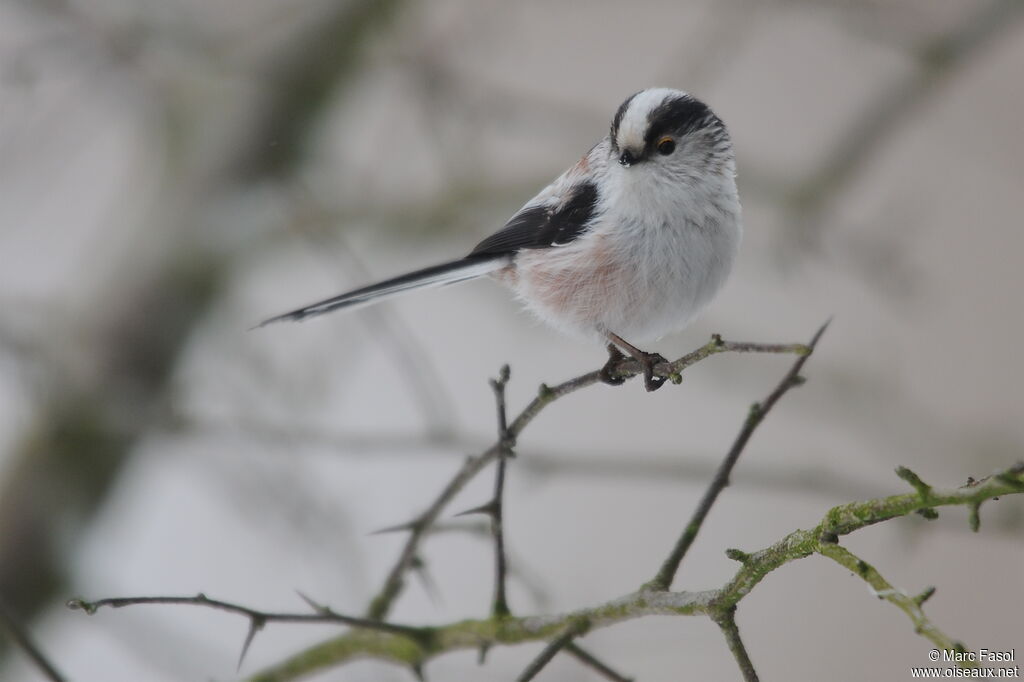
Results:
630 243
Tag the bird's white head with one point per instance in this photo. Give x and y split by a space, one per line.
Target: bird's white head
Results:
670 133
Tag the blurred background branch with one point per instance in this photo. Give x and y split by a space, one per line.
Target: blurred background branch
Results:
84 431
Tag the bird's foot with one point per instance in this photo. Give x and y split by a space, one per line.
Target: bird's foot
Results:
648 361
608 373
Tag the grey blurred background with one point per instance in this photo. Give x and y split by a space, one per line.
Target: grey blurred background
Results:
172 172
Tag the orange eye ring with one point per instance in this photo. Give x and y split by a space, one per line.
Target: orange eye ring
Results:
666 145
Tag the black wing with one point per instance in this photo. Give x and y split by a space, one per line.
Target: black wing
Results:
539 227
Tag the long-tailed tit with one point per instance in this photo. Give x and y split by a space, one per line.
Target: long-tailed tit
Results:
630 243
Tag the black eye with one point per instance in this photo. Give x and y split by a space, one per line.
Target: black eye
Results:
666 146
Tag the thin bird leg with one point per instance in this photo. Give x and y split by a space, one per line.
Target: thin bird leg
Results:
646 360
608 375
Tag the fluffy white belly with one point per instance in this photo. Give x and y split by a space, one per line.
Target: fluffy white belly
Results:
640 288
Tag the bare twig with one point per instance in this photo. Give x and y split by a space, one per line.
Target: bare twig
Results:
319 615
494 508
663 579
588 659
574 630
257 619
727 622
883 589
382 602
499 606
24 641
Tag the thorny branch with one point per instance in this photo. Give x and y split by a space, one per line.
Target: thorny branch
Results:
500 605
663 580
412 647
380 606
494 508
821 539
257 619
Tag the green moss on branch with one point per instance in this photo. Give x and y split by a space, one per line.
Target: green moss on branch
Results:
718 604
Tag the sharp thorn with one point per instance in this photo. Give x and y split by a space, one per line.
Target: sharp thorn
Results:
408 526
256 624
317 608
490 509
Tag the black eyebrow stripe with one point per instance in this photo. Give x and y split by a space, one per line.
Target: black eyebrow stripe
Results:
679 115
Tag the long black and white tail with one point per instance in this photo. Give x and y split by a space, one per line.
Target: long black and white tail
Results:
469 267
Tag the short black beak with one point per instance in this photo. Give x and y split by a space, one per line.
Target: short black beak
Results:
627 159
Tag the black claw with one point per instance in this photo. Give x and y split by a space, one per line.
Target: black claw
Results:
608 378
651 382
607 373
